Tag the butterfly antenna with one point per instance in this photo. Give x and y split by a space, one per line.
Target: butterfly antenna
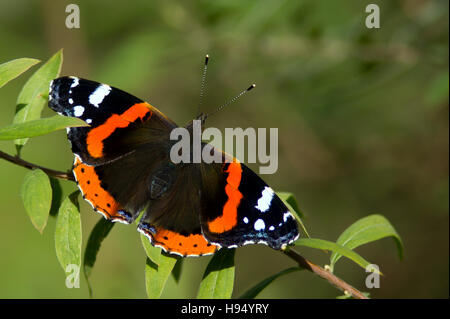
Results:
232 100
203 85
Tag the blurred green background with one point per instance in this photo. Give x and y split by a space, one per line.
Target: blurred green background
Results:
362 117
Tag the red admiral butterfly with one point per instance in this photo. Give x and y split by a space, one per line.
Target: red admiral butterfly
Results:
122 167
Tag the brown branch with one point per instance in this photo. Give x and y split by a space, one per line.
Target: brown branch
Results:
17 160
324 274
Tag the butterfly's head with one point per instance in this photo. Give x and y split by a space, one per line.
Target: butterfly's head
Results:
202 117
199 120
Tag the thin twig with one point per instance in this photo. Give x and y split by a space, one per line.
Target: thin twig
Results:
324 274
17 160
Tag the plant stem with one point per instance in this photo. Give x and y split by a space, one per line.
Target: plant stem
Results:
17 160
303 262
324 274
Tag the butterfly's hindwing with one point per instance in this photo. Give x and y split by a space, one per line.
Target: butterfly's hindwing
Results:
252 213
172 221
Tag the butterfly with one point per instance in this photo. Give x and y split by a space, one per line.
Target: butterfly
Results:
122 167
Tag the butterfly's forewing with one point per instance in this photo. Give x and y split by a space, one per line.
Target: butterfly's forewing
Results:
126 136
119 122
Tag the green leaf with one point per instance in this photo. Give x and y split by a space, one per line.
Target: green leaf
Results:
12 69
218 279
98 234
291 203
345 296
57 196
366 230
68 232
39 127
158 268
328 245
255 290
177 269
32 98
36 194
156 275
152 252
289 198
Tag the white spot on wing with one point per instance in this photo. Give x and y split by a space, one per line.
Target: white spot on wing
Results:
246 220
295 238
78 110
75 82
89 121
265 199
286 216
99 94
259 225
70 101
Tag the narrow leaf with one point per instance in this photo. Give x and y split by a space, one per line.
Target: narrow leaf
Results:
12 69
177 269
291 203
218 279
255 290
36 194
39 127
98 234
328 245
68 232
152 252
32 98
57 196
366 230
156 275
289 198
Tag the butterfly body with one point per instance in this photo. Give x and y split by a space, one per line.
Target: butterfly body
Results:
123 167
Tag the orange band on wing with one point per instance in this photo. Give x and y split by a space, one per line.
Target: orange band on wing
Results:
98 134
90 186
172 242
229 215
